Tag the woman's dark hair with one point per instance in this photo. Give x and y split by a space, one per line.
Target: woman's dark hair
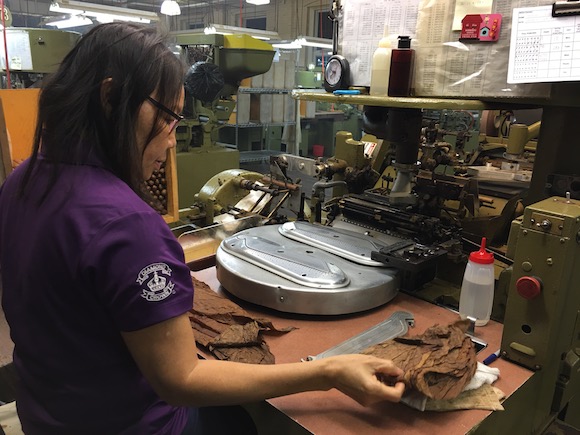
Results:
74 123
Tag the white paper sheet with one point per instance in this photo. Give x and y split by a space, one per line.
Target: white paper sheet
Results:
469 7
19 52
544 48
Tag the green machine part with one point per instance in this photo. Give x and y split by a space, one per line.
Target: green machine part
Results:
350 151
199 156
197 166
38 50
542 313
224 190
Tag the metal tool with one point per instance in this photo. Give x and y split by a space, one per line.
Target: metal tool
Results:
395 326
351 245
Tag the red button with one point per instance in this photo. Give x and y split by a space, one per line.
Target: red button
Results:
528 287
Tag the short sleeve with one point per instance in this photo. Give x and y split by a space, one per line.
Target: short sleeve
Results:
136 267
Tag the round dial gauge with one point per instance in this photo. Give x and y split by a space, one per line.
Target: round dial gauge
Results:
336 73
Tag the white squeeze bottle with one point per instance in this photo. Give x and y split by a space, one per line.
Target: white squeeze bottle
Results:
381 66
477 288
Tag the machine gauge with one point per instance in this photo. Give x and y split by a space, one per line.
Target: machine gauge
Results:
336 73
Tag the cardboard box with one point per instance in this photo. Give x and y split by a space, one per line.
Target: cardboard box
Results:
278 108
289 109
258 81
261 108
289 74
279 74
242 115
268 78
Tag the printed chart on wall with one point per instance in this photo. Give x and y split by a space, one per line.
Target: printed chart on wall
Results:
544 48
362 25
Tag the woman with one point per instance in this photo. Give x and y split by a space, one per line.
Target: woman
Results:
95 288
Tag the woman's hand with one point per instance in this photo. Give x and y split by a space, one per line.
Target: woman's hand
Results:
365 378
166 354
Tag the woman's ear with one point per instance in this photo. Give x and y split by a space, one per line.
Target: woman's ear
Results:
106 86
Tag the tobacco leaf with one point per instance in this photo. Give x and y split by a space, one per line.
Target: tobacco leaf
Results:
227 330
438 363
239 336
249 354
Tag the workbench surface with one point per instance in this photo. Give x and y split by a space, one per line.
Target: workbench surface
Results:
331 412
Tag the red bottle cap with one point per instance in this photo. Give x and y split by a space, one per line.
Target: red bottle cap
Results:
481 256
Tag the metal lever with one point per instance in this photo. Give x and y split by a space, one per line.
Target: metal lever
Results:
395 326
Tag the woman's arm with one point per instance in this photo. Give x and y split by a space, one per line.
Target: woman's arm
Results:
166 354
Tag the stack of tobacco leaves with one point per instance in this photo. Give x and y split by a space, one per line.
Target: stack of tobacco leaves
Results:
227 330
439 363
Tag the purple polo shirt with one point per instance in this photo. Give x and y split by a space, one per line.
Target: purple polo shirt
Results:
92 260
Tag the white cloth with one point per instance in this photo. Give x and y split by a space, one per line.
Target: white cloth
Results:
483 375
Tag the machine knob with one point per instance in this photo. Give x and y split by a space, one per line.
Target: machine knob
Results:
545 225
528 287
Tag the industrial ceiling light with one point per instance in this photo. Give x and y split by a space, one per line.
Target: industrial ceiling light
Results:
258 2
102 13
170 7
222 29
288 45
74 21
310 41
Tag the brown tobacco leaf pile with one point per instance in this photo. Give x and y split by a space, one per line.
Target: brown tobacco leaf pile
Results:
227 330
438 363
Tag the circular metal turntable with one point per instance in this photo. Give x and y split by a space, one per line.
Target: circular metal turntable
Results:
262 266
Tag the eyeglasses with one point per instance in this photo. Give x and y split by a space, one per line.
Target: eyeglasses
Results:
167 110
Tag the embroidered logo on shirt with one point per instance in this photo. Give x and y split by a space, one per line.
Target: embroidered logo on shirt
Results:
158 284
